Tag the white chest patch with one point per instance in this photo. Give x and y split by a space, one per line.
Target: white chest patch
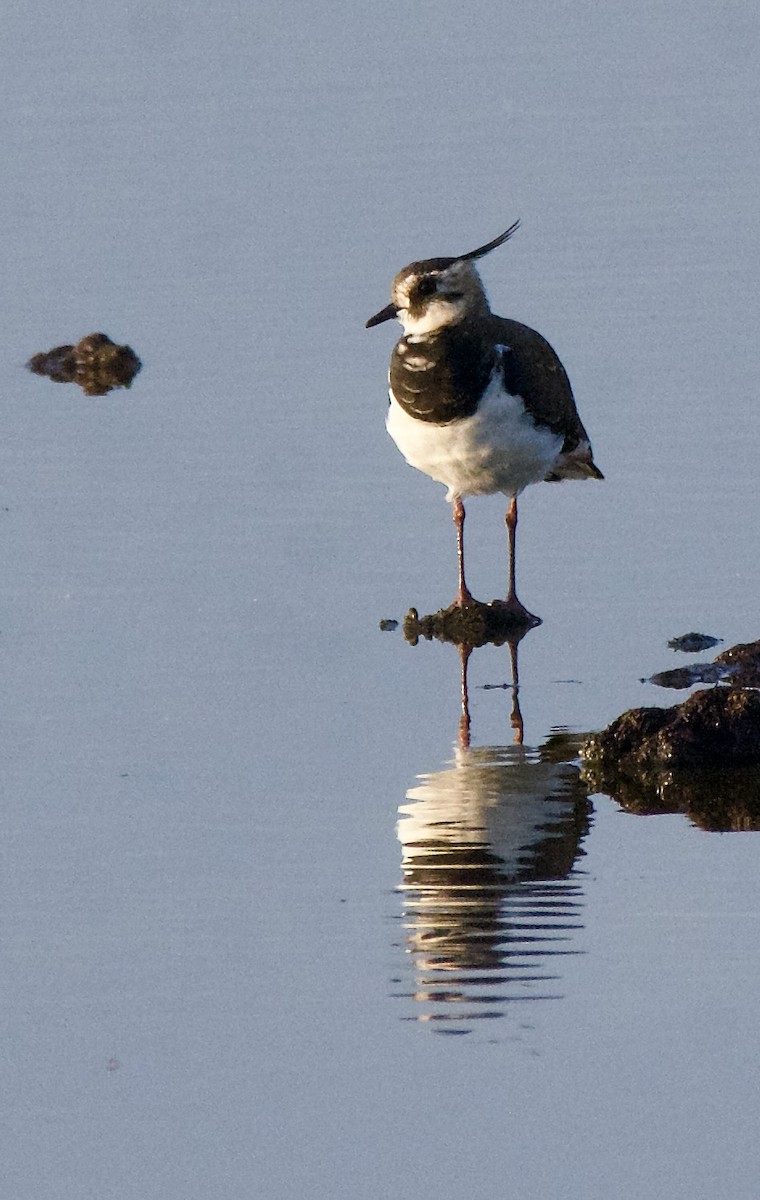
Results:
498 449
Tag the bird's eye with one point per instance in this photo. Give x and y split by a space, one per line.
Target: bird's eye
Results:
427 286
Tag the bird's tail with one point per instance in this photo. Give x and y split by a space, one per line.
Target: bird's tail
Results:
577 463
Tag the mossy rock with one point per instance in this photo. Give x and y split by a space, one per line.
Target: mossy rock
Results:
475 624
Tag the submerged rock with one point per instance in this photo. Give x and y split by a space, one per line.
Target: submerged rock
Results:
686 677
690 643
739 666
95 363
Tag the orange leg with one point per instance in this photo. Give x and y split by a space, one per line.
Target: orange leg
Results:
512 605
511 520
464 595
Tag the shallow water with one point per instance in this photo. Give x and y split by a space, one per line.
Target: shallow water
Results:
238 816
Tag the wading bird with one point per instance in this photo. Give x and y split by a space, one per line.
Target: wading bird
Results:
478 402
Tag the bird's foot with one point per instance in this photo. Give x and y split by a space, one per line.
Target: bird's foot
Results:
516 610
464 598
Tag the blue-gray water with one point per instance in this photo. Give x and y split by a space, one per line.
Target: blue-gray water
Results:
216 936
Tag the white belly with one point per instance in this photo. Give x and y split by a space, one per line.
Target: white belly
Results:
499 449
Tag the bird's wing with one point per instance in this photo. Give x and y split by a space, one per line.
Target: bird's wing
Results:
532 370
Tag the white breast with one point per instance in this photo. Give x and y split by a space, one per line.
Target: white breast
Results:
498 449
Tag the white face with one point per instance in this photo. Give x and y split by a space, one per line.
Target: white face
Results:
430 300
437 314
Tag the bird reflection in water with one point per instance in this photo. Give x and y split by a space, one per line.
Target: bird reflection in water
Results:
491 903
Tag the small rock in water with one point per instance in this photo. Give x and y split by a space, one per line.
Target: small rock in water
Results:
686 677
96 363
690 643
388 624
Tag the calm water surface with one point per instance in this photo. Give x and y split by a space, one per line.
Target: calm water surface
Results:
251 871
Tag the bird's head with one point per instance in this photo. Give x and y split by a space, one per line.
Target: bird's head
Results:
439 292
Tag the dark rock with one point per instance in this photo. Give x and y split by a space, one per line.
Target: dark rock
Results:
719 727
690 643
388 624
57 364
95 363
701 757
744 659
686 677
